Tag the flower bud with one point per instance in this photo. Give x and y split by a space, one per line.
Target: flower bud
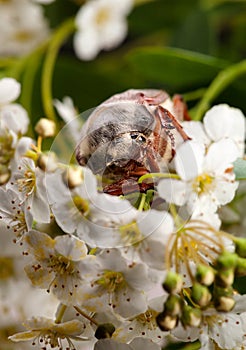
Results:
172 305
47 162
226 260
191 316
205 275
240 244
200 294
241 267
45 128
224 303
73 176
222 292
173 283
225 278
104 330
166 322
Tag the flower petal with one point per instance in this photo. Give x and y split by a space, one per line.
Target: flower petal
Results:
9 90
173 191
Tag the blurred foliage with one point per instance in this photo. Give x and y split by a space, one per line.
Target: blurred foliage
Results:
178 45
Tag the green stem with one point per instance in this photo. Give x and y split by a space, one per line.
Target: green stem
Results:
60 313
55 44
161 175
142 202
222 80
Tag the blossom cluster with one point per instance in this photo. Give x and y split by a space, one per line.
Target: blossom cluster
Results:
142 269
100 25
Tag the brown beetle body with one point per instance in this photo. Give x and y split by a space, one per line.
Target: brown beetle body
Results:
131 134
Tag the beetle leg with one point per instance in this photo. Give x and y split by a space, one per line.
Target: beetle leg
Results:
157 99
168 122
180 108
127 186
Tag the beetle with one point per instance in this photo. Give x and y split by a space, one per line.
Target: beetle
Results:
131 134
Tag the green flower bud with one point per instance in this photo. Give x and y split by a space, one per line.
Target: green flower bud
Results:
191 316
166 322
226 260
222 292
173 283
200 294
172 305
225 278
241 267
205 275
224 303
104 330
241 247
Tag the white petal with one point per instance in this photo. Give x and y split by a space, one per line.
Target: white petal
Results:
223 121
225 191
70 247
15 117
220 156
9 90
86 45
196 131
173 191
189 160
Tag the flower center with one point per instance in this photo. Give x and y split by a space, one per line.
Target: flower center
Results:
111 280
130 233
61 265
102 16
202 183
23 36
82 205
27 184
148 319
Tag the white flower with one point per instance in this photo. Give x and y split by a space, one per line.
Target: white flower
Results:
227 330
223 121
46 332
68 113
143 325
22 26
117 284
28 183
12 115
14 214
101 25
59 264
136 344
205 177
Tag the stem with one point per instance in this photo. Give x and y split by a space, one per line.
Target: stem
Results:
222 80
56 42
161 175
60 313
82 313
142 202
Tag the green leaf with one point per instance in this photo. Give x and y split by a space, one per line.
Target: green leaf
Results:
240 169
175 69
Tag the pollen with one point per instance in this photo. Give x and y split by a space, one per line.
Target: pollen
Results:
102 16
61 265
27 184
111 281
130 233
203 183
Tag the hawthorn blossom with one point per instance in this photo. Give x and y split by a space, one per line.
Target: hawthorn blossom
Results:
206 178
47 332
59 264
226 330
23 26
14 213
118 284
28 183
101 25
12 115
